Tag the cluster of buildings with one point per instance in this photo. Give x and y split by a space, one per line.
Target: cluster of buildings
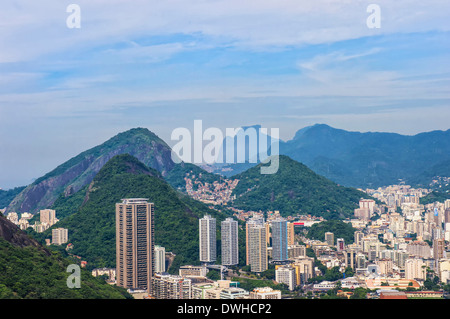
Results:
271 239
47 218
394 196
140 264
405 245
216 193
23 222
167 286
384 254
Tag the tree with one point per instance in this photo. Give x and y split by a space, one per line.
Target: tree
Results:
213 275
269 273
333 274
359 293
337 227
349 272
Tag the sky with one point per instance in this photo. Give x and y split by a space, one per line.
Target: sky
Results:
282 64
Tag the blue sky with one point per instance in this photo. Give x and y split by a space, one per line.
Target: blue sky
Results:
163 64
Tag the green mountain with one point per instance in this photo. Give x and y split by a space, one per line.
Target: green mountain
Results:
294 189
92 225
365 160
434 197
76 173
6 196
369 159
435 172
28 270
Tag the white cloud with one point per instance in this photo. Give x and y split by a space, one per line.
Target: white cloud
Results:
65 79
29 29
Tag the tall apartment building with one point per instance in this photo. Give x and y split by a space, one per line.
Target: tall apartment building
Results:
297 251
59 236
359 235
251 222
47 216
268 232
291 233
400 257
304 269
279 240
13 217
362 213
165 286
135 244
361 261
340 244
230 247
415 268
419 249
329 238
396 223
447 215
350 258
286 275
207 239
438 248
369 204
257 247
160 259
386 266
447 204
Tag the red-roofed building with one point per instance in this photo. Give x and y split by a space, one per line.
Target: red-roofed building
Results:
393 295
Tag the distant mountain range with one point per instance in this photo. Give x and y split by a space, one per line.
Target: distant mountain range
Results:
364 160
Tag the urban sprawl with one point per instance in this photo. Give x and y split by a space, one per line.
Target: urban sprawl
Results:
400 246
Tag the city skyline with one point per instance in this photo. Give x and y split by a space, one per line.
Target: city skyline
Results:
398 252
115 118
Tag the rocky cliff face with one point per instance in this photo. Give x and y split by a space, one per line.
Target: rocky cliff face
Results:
79 171
12 234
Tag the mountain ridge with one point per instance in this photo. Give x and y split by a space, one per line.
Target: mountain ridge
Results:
92 226
356 159
77 172
361 159
294 189
369 158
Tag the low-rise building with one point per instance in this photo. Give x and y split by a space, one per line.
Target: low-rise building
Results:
233 293
265 293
